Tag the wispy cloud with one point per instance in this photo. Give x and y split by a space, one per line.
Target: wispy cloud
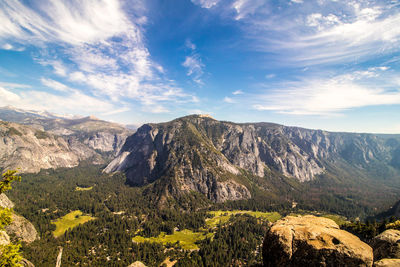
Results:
193 64
229 100
97 46
318 32
189 44
206 3
55 85
69 101
238 92
8 46
331 96
245 8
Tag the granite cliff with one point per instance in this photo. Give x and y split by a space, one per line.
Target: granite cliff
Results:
102 136
209 156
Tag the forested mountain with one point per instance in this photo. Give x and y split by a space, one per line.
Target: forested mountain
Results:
230 161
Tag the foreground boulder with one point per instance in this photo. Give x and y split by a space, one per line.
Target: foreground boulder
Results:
22 229
313 241
137 264
387 263
387 245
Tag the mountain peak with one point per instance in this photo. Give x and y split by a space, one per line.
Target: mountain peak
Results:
196 116
91 117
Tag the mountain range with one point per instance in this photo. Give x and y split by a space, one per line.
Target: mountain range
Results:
220 160
230 161
40 140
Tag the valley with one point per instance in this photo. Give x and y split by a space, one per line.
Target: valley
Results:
189 189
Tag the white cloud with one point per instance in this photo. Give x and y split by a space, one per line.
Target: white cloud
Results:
156 109
14 85
330 96
7 97
194 68
244 8
55 85
116 111
8 46
237 92
297 1
318 32
190 45
321 22
270 76
73 22
206 3
73 101
97 45
229 100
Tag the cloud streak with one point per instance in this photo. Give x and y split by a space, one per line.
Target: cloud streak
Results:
68 100
194 64
331 96
96 46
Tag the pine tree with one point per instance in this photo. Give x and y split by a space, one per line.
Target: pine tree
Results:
10 254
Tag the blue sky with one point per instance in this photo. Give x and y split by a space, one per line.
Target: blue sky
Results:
324 64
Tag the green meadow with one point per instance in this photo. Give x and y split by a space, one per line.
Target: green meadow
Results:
83 188
221 216
187 238
69 221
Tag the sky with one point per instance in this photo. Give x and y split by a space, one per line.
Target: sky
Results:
320 64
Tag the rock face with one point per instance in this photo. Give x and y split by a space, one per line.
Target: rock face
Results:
137 264
30 150
387 245
200 152
20 227
4 238
313 241
5 202
26 263
179 151
102 136
387 263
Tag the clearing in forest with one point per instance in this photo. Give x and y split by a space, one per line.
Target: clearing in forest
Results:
83 188
187 239
69 221
222 216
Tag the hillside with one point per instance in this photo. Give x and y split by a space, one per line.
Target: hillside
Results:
230 161
29 150
103 136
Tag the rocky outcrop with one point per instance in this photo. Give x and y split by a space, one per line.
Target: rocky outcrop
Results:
313 241
26 263
20 227
387 263
4 238
387 245
137 264
102 136
5 202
